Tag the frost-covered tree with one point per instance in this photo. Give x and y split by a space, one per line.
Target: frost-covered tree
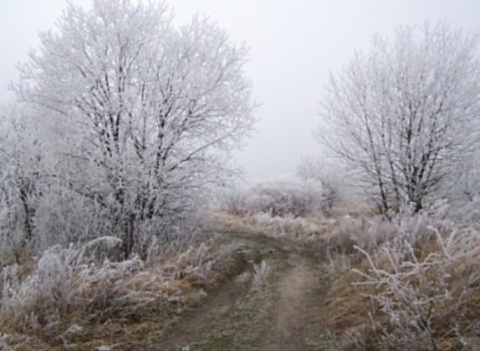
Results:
21 167
403 115
465 183
139 112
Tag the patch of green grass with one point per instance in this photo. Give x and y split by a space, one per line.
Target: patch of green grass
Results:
243 328
249 320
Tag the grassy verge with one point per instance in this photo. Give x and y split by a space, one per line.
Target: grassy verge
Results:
79 306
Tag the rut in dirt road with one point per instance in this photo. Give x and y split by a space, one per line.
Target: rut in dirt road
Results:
297 320
201 320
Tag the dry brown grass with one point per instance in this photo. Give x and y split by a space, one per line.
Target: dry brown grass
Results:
309 227
358 319
114 297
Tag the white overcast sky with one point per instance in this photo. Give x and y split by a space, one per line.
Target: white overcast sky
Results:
294 45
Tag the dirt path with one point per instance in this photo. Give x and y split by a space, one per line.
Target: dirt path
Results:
284 314
298 318
200 321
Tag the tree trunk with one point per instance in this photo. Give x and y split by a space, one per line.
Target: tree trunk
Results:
128 236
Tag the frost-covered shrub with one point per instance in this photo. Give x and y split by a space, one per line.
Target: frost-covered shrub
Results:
465 212
421 274
68 281
330 175
418 292
86 283
286 197
235 201
278 197
372 233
